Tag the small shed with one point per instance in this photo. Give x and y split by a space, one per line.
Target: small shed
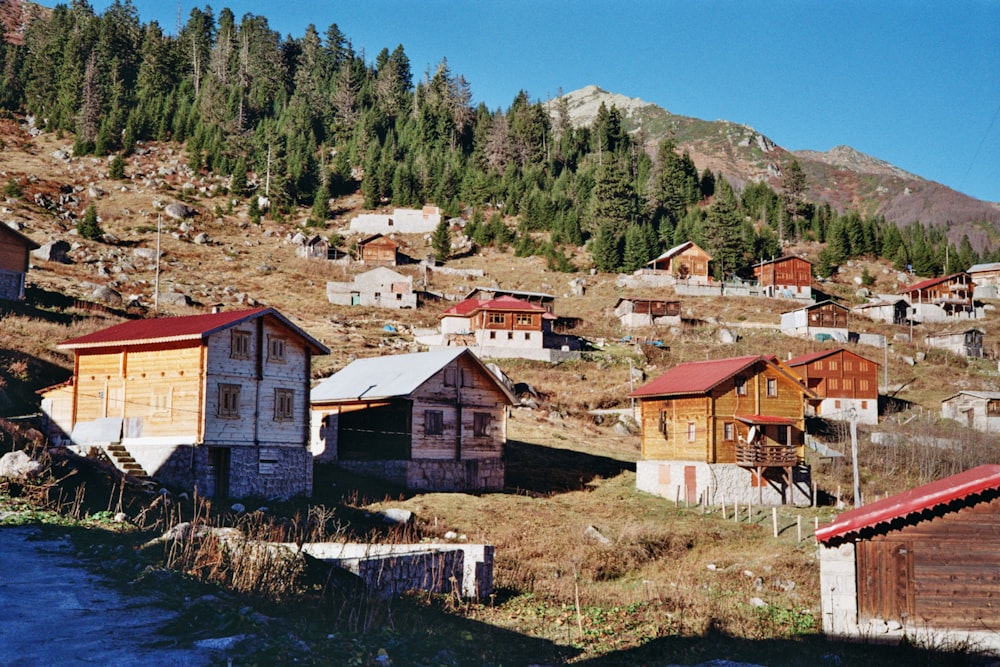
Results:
979 410
965 342
381 287
378 250
920 565
888 308
15 248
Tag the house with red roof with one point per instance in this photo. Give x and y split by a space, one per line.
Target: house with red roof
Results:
503 327
15 249
943 298
725 430
217 402
846 383
920 565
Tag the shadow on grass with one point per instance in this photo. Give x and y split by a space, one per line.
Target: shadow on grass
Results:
542 471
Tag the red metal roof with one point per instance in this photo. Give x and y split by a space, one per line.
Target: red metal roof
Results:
505 303
930 282
804 359
172 329
696 377
919 499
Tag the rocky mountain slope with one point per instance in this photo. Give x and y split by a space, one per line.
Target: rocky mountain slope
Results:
842 176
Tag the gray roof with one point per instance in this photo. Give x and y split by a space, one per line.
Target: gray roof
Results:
985 395
390 376
990 266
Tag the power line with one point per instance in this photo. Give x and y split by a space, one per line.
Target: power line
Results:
979 148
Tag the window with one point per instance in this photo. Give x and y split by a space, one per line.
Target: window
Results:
493 335
284 405
848 365
229 401
864 405
449 377
433 422
848 384
467 378
276 349
836 404
527 336
833 384
782 435
741 386
833 365
864 366
523 319
729 431
481 424
399 297
691 432
267 461
239 347
862 385
498 318
377 295
510 335
772 387
819 365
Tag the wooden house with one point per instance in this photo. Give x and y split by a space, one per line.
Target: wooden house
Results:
963 342
639 312
686 262
725 430
217 402
433 421
826 320
15 249
985 279
920 565
381 288
788 276
979 410
846 383
943 298
378 250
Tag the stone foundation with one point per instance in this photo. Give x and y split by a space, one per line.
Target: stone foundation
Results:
434 475
717 483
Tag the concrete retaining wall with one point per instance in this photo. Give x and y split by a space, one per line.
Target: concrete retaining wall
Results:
389 569
436 475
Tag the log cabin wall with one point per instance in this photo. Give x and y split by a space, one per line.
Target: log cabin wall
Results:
939 571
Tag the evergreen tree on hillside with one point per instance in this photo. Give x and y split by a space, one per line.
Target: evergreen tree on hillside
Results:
88 226
723 235
441 241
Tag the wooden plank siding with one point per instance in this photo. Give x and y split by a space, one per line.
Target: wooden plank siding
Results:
790 271
942 571
842 375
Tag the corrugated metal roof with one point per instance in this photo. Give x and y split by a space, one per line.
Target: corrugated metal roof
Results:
172 329
390 376
924 284
696 377
505 303
916 500
991 266
810 357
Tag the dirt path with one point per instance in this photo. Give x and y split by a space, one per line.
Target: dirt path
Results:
54 612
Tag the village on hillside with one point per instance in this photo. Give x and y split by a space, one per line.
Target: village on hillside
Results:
227 401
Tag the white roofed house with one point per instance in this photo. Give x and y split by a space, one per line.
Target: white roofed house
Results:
979 410
429 420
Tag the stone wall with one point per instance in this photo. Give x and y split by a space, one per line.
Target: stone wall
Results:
717 483
388 569
435 475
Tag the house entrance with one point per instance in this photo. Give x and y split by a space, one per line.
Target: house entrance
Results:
219 465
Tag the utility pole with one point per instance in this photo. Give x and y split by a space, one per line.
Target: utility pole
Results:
156 281
854 456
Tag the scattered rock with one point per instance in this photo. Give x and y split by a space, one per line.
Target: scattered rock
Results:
595 535
757 602
727 336
19 466
179 211
53 251
108 296
397 516
174 299
202 238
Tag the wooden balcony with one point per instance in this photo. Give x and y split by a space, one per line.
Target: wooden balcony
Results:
772 455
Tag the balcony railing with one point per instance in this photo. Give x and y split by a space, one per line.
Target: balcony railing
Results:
758 455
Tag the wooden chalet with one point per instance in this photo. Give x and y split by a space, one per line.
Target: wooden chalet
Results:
433 421
846 383
216 402
920 565
638 312
979 410
787 276
725 430
15 249
503 321
938 299
825 321
378 250
963 342
686 262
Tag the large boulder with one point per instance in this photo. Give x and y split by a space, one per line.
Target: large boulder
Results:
18 466
179 211
53 251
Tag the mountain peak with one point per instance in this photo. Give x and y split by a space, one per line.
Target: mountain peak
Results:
584 103
845 157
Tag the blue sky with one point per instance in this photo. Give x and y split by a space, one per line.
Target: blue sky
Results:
912 82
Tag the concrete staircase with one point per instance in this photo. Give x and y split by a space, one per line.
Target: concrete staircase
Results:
123 461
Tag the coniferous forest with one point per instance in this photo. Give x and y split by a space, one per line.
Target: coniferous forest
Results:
322 121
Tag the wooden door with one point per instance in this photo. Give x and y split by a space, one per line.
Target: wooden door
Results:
219 463
690 484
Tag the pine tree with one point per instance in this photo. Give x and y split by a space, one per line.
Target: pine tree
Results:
116 169
441 241
88 226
